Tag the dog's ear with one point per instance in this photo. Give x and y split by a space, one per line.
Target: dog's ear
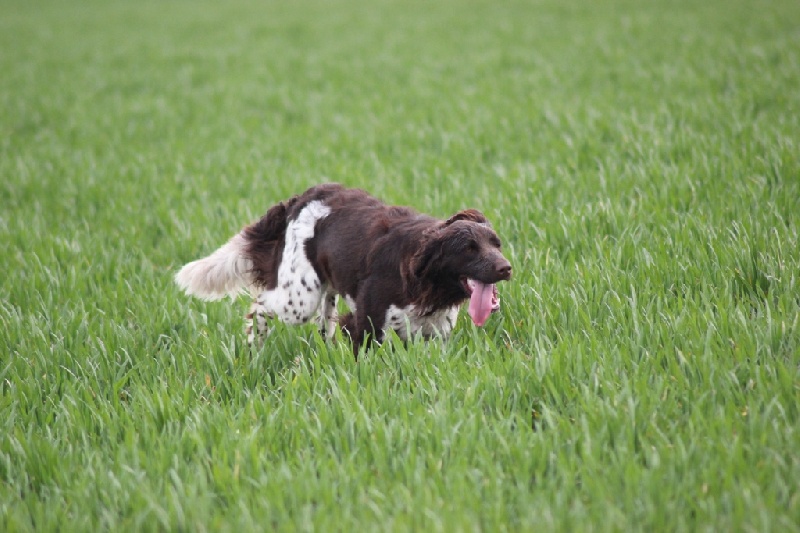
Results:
472 215
429 254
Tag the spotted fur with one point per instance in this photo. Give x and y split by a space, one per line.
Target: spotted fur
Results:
408 321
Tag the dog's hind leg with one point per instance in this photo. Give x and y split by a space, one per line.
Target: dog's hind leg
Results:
328 315
256 326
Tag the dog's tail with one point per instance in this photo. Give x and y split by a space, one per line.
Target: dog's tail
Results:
224 273
249 260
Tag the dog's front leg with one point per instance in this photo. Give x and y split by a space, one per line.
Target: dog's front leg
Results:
361 331
369 320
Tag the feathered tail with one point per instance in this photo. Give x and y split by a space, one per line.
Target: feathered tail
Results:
226 272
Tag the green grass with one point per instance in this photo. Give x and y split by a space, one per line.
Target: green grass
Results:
639 159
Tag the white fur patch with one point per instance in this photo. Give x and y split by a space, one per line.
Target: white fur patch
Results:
223 273
299 292
407 322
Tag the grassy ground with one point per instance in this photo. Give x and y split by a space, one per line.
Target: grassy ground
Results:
640 160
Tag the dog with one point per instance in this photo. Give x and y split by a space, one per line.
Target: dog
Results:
397 269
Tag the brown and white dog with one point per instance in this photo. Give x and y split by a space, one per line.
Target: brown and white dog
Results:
396 269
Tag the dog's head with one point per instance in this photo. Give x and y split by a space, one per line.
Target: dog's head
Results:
463 256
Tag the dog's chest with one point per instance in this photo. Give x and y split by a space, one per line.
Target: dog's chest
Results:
408 322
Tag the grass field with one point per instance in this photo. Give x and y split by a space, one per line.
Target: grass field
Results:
639 159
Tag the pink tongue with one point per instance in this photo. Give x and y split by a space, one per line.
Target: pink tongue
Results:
480 303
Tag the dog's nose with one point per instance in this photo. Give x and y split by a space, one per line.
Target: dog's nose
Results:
504 270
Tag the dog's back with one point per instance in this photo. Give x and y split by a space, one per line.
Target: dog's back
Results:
250 259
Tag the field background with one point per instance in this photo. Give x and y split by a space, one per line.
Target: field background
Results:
639 159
